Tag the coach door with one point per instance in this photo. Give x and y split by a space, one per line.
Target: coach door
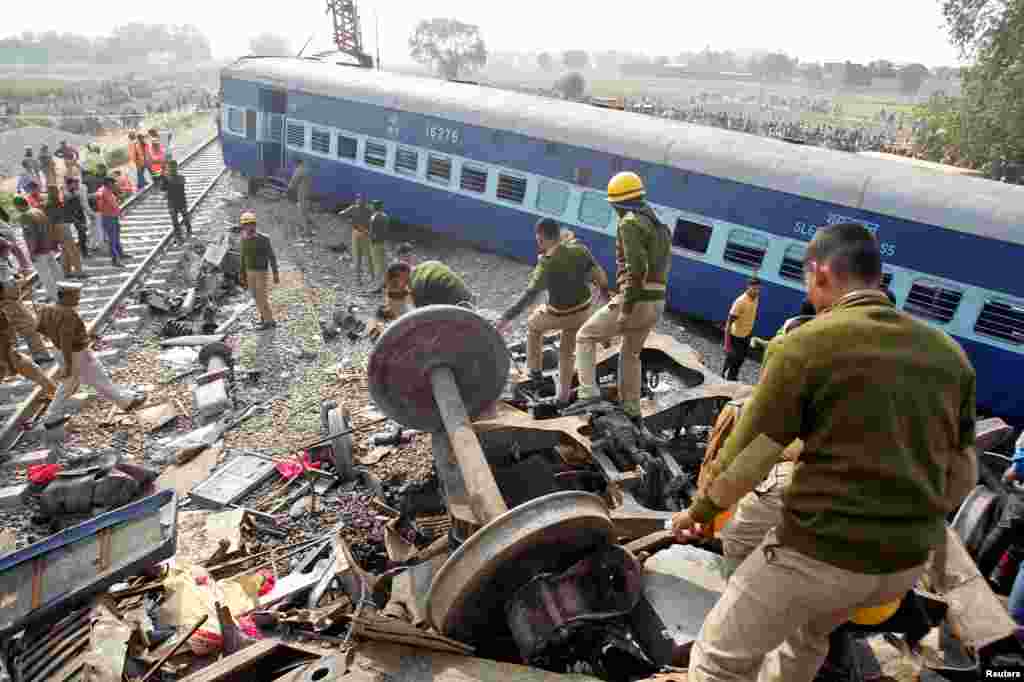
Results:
273 106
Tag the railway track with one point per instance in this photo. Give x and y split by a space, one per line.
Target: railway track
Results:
147 236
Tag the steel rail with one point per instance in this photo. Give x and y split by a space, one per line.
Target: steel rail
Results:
10 430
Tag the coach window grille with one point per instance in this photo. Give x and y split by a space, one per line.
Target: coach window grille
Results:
407 161
321 141
933 300
793 263
376 154
552 197
745 249
511 188
347 147
595 210
886 280
439 169
474 179
692 236
296 135
1002 320
274 125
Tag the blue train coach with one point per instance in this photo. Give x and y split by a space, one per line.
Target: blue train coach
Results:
483 164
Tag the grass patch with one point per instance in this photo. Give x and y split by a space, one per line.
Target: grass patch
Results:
31 87
7 201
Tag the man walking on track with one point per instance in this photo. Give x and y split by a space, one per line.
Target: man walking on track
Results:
358 215
177 201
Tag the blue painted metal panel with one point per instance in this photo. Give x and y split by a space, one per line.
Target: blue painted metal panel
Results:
240 93
696 287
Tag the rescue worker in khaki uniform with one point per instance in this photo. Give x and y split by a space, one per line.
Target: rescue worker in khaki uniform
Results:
258 259
430 283
565 268
358 215
380 232
643 254
57 214
63 326
20 321
888 454
12 362
302 183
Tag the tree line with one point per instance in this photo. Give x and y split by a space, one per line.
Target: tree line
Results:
984 127
128 43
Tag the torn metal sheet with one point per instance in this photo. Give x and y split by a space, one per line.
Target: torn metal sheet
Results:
52 576
680 587
235 479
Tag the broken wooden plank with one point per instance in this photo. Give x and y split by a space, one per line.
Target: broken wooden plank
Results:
235 668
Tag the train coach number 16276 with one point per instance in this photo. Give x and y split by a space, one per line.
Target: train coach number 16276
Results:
440 134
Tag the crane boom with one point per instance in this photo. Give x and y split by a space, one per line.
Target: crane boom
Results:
348 34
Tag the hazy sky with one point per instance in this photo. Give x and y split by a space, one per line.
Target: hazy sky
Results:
901 30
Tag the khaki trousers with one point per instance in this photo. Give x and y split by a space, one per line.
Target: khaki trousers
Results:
72 260
543 320
378 259
23 366
259 284
778 609
361 250
756 514
603 326
23 323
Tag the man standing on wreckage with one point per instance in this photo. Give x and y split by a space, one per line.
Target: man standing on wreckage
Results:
64 327
885 407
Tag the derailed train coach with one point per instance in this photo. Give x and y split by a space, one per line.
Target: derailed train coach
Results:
483 164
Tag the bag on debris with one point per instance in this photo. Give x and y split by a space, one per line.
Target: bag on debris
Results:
193 593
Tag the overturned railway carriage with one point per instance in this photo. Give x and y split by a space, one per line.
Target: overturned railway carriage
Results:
483 164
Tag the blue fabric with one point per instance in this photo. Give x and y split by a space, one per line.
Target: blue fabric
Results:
112 228
1016 604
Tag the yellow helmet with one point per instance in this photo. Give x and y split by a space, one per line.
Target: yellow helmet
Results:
248 218
625 186
875 615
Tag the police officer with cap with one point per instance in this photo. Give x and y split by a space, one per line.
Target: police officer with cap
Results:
63 326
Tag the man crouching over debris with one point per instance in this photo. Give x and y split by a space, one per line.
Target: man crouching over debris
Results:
565 268
429 283
258 258
888 452
62 324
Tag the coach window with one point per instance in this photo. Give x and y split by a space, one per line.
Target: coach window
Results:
407 161
552 197
439 169
886 280
746 249
1002 320
347 147
595 210
474 179
376 154
296 135
321 141
692 236
793 263
933 300
511 188
236 121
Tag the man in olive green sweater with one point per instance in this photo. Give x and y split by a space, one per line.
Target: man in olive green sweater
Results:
429 283
643 254
565 268
258 259
885 406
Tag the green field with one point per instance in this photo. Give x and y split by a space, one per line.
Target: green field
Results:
30 87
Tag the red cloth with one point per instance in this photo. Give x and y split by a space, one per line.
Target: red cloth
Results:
106 203
269 582
41 474
292 468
